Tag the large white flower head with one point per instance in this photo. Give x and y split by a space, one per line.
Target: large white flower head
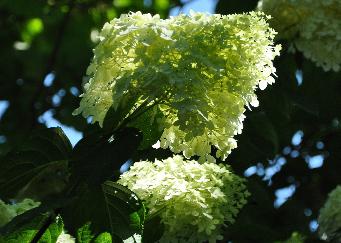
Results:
314 26
194 200
194 74
9 211
330 217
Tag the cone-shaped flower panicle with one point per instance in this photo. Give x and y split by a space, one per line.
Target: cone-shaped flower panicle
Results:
193 74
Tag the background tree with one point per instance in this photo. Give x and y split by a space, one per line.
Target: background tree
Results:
290 145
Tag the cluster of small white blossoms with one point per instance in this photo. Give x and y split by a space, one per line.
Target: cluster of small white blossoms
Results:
330 217
9 211
65 238
194 200
136 238
313 26
196 72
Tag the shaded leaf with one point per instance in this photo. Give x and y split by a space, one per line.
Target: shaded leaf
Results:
52 204
96 157
263 133
147 123
41 229
153 230
53 231
89 206
126 210
231 7
84 234
38 167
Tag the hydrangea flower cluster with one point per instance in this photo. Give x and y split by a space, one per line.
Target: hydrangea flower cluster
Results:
65 238
136 238
309 24
196 72
330 217
194 200
9 211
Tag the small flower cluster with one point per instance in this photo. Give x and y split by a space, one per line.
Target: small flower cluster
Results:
9 211
330 217
310 25
197 72
136 238
194 200
65 238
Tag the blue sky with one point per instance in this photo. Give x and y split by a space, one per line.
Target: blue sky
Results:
195 5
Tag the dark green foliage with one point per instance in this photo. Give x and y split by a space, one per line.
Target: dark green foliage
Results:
147 123
42 165
153 229
231 6
84 234
88 206
126 211
96 156
38 167
41 229
52 232
313 107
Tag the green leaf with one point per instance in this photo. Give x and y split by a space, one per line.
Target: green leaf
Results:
162 4
28 232
122 3
37 168
53 231
33 27
42 229
20 220
89 206
296 237
103 238
114 117
147 123
153 229
125 209
232 7
97 157
84 234
263 134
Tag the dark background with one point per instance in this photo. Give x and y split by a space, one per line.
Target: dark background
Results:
290 148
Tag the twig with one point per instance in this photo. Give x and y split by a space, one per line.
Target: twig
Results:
50 62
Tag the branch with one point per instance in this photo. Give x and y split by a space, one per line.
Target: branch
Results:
51 61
